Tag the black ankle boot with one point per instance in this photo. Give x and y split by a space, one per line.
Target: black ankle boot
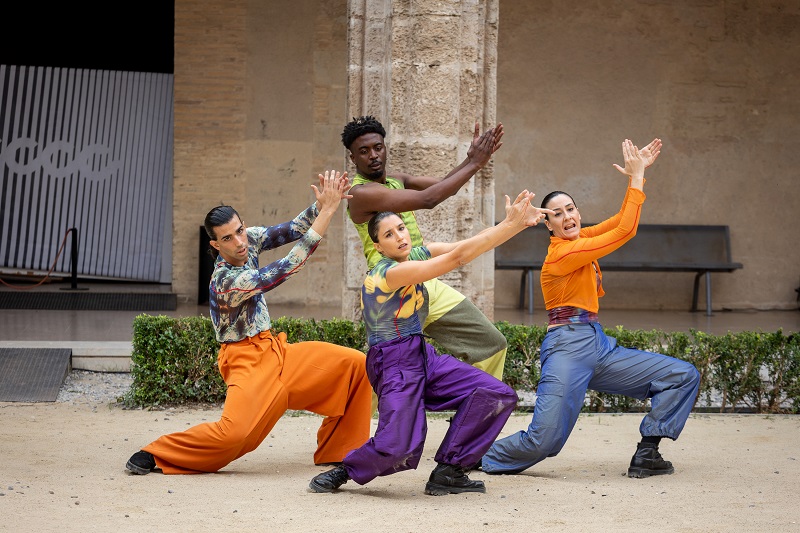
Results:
451 479
648 462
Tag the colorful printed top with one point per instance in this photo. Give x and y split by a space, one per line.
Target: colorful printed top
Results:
370 253
237 304
389 314
570 274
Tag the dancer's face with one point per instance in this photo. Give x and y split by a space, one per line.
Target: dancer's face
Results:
231 242
394 240
566 222
368 154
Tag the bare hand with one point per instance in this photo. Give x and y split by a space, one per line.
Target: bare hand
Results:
533 214
483 146
650 152
517 212
537 215
333 187
634 160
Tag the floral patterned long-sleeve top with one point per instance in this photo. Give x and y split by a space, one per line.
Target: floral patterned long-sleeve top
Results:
236 294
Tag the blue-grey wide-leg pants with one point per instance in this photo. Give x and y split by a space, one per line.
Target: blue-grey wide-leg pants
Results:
577 357
409 377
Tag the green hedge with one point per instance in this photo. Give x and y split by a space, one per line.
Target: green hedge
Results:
174 361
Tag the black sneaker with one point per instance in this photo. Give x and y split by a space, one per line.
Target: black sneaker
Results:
648 462
141 463
451 479
329 481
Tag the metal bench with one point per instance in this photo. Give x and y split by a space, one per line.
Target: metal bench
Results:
655 248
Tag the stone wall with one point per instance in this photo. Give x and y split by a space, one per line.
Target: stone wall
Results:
716 81
261 96
210 113
259 103
427 71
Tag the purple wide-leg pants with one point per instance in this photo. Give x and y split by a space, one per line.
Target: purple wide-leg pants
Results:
409 377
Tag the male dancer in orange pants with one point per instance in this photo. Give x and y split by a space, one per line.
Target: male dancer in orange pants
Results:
265 374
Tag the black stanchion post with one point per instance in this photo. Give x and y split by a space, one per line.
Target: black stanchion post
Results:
73 278
73 275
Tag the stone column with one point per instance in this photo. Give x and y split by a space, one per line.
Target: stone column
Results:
427 70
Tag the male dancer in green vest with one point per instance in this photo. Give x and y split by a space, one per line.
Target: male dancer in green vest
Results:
452 320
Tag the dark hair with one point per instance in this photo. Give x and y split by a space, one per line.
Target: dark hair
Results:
546 200
552 195
219 216
360 126
372 225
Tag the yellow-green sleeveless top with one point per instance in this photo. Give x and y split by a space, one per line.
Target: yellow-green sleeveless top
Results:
370 253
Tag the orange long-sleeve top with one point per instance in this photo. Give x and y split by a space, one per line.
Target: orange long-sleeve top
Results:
570 274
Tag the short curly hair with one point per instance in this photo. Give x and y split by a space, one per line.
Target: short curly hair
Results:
360 126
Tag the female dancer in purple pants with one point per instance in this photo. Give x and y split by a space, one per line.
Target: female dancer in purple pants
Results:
407 374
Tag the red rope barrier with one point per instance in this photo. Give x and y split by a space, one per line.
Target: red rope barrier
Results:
47 276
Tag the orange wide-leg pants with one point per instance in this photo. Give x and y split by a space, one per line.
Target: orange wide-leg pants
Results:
266 376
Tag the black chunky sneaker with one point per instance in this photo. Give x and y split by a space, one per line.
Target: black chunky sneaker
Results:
451 479
329 481
648 462
141 463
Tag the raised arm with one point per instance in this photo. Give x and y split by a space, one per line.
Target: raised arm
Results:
423 192
648 155
448 257
602 239
334 187
635 163
246 283
533 215
480 152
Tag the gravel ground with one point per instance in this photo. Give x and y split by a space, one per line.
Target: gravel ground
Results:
85 387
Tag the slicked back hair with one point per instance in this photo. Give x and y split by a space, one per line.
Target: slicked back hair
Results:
219 216
546 200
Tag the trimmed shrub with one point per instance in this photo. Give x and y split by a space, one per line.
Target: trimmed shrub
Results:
523 369
174 361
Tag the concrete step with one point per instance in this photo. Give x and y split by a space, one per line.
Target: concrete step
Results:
97 356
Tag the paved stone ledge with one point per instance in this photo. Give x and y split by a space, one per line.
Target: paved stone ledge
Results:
97 356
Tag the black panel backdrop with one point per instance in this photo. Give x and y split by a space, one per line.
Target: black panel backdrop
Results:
86 136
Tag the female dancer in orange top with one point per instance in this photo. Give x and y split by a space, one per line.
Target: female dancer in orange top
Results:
576 354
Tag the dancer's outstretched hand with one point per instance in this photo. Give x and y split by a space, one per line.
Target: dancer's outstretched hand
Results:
533 215
517 210
333 187
483 146
536 215
650 152
635 162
